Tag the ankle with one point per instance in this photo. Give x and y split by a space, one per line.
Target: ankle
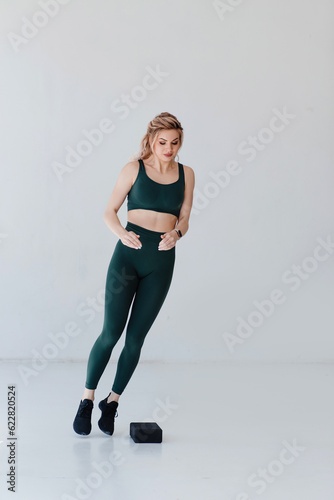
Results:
111 400
113 397
88 394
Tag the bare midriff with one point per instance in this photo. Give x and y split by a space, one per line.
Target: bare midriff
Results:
150 219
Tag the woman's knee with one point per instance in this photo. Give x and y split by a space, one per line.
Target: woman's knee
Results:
109 338
133 344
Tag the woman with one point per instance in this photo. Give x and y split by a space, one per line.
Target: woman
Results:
160 196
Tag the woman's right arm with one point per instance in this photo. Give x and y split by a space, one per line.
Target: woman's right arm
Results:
121 189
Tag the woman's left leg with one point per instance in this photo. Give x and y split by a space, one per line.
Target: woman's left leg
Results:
150 296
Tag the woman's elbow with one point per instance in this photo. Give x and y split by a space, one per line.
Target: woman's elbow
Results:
108 214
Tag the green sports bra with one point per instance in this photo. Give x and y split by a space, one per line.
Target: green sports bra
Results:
148 194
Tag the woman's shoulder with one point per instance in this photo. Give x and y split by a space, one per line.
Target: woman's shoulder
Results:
129 171
188 171
131 164
131 167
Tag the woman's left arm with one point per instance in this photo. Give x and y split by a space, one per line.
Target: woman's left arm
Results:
169 239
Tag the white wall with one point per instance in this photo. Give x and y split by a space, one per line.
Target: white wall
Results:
225 77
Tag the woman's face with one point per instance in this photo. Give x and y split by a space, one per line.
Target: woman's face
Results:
167 145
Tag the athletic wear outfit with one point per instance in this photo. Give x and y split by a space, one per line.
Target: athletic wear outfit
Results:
144 274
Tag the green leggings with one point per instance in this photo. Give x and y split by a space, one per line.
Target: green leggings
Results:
144 274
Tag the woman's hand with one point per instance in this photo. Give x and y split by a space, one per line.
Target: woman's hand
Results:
130 239
168 240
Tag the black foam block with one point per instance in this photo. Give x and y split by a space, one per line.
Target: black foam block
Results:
145 432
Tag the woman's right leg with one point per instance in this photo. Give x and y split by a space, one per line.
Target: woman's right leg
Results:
121 285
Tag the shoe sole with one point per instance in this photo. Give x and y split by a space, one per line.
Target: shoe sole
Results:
106 432
82 433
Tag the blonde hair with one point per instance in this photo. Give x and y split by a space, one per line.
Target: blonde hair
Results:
163 121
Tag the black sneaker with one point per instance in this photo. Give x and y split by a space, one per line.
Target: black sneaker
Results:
82 422
109 412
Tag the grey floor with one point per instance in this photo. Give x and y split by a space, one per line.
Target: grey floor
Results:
230 431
